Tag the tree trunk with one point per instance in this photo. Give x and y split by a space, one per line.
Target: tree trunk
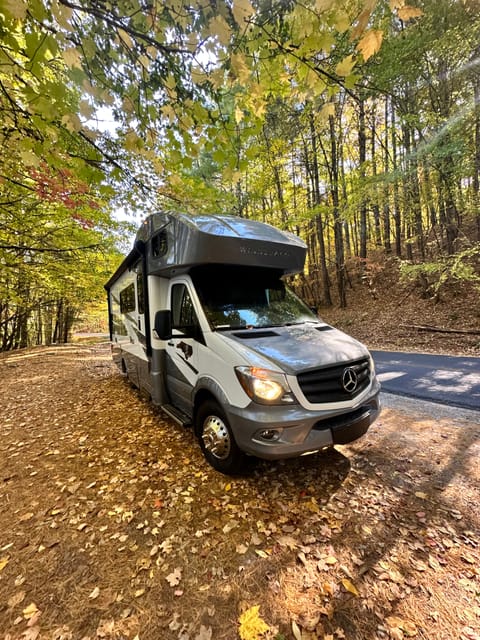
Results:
386 195
362 151
337 226
375 206
396 191
327 298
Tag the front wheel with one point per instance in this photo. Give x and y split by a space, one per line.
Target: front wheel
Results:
216 439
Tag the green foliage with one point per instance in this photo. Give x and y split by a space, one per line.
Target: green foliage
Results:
246 107
433 276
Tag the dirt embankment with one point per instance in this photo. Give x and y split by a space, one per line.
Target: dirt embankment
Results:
113 526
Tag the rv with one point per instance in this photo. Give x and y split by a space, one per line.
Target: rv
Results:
201 321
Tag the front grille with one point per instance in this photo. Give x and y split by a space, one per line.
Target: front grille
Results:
326 385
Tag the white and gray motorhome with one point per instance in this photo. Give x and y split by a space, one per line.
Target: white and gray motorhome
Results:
202 322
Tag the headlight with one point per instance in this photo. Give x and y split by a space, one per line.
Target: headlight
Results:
264 386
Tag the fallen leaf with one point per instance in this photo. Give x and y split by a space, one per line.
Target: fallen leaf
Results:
26 516
205 633
468 558
16 599
409 628
175 624
174 578
309 620
288 541
421 494
34 619
229 526
95 593
350 587
3 562
30 611
296 631
251 625
31 633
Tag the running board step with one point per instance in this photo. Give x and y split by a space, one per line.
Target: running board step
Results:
177 415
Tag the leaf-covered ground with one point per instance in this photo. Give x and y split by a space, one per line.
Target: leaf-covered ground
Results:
112 526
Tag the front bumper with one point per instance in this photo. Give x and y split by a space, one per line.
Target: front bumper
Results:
298 431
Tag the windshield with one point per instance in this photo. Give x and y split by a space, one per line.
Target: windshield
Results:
235 298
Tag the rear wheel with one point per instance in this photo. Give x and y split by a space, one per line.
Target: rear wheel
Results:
216 439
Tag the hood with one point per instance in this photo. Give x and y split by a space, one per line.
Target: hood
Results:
299 347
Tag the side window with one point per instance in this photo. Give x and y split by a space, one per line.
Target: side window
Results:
140 293
127 299
183 313
159 244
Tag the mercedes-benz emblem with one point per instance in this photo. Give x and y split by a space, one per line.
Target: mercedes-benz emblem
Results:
349 380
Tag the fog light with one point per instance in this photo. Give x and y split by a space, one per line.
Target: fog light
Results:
270 434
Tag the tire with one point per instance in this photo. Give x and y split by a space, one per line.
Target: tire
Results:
216 439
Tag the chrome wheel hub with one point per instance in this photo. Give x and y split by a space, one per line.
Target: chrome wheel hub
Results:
216 437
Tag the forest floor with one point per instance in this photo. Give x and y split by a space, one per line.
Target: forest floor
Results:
112 525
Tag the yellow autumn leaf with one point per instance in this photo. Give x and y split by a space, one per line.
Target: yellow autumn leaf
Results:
71 122
396 4
3 563
252 627
370 43
242 11
407 13
219 26
326 111
125 38
72 57
363 18
323 5
350 587
30 611
342 21
239 67
16 8
345 67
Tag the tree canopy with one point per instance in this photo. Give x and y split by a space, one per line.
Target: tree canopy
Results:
355 124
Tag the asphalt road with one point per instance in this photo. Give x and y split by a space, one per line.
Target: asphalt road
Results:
449 380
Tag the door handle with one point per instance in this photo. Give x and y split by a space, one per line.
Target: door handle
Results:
171 344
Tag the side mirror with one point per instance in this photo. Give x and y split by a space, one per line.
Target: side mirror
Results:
163 325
